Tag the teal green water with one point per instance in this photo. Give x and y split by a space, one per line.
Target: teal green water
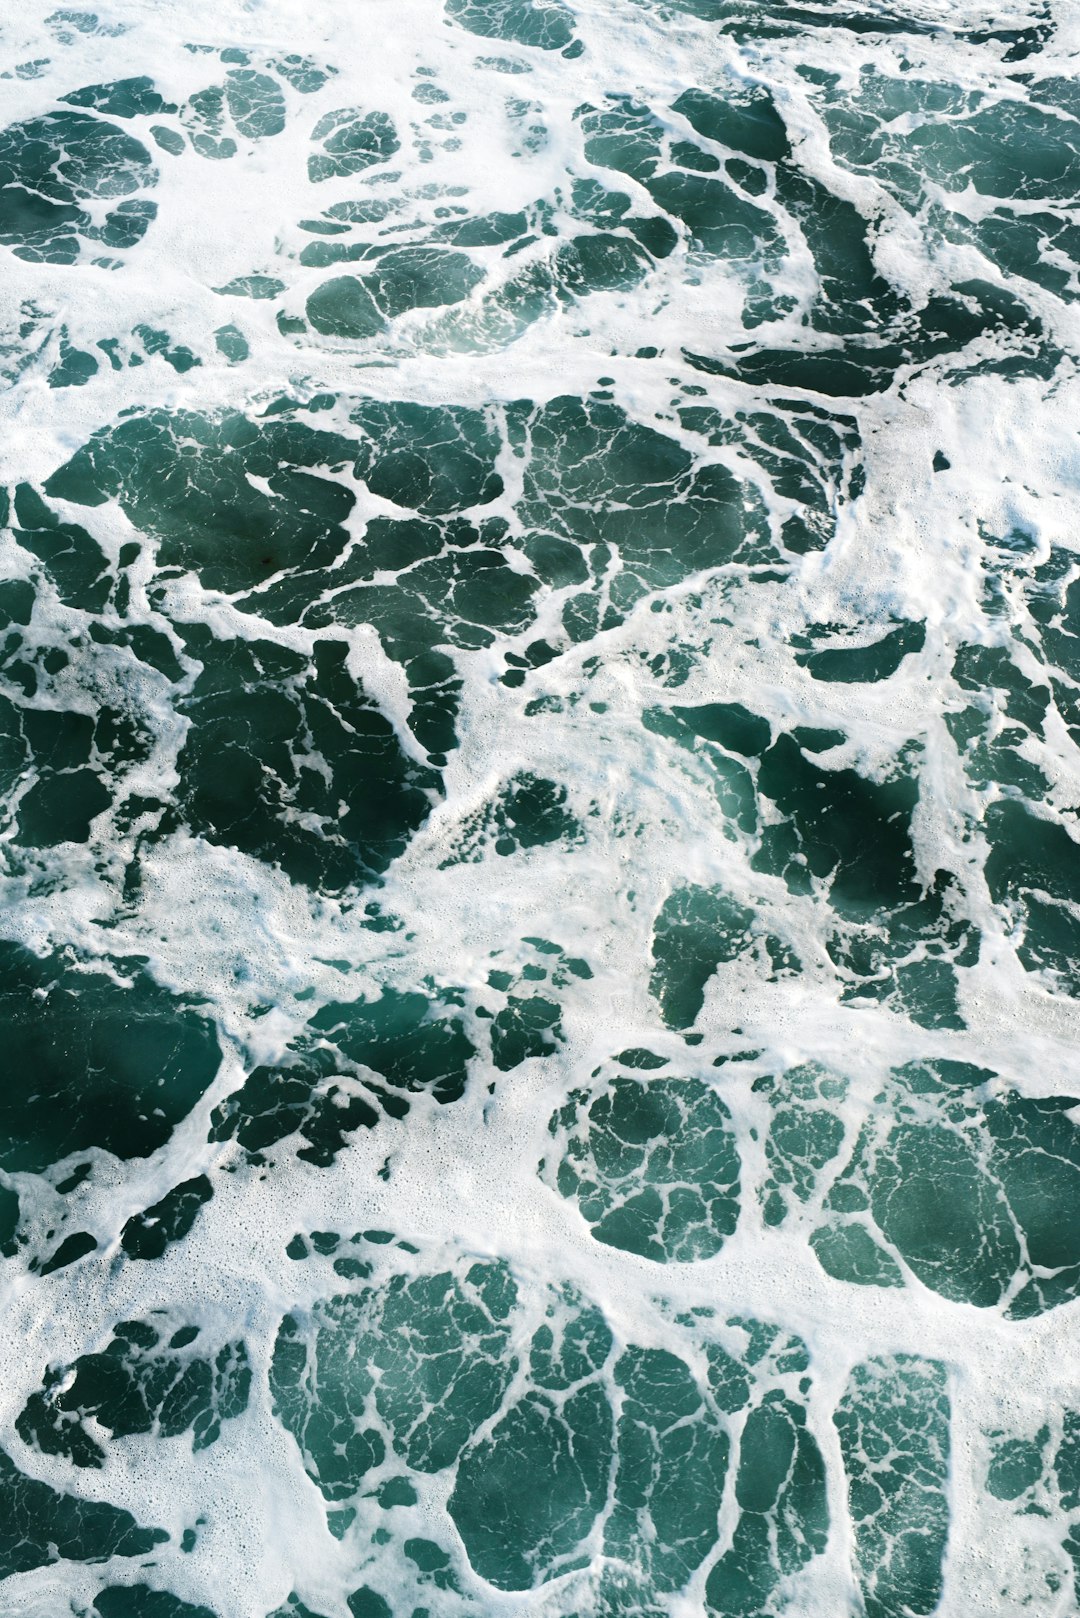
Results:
539 776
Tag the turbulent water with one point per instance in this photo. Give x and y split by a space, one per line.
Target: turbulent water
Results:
540 754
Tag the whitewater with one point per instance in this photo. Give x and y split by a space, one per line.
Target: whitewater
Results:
539 790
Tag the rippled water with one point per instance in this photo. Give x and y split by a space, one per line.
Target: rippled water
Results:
540 892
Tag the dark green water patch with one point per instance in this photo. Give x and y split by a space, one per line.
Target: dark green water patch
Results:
431 272
255 102
67 744
1018 1464
350 1066
805 1134
652 1164
40 1526
146 1235
431 459
186 480
414 1042
93 1063
47 748
75 368
526 1496
463 598
852 360
9 1220
287 760
609 486
849 838
528 1025
672 1462
408 278
74 1247
969 1182
303 73
1010 149
730 724
429 1355
121 98
72 558
747 123
260 288
143 1601
996 732
736 731
780 1487
140 1383
716 217
608 505
851 664
868 331
344 307
249 105
559 1441
351 141
52 167
304 1096
812 457
544 24
529 812
698 930
893 1422
527 1021
1033 873
744 21
848 1252
853 374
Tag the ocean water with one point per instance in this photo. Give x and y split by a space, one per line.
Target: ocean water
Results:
539 848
